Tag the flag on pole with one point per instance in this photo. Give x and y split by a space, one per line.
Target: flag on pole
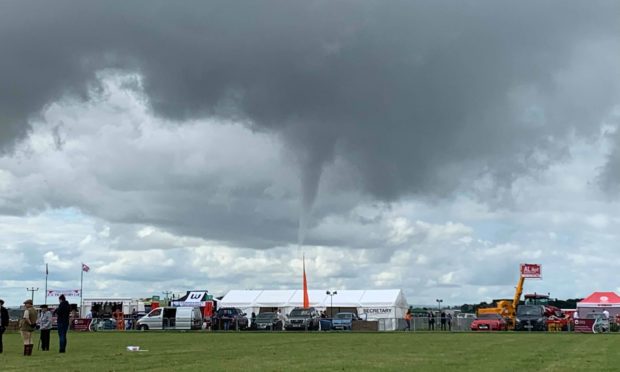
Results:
306 299
85 267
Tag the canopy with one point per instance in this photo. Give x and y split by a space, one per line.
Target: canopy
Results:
598 302
601 299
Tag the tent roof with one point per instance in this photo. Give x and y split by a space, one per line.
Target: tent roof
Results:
318 298
596 298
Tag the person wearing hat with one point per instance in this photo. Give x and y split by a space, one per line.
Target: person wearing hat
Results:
27 326
45 323
4 321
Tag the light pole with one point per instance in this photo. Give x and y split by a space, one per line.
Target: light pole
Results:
439 301
32 290
331 302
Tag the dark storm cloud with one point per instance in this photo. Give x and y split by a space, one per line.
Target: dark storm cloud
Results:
417 96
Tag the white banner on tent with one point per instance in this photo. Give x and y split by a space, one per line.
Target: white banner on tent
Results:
377 312
66 292
189 303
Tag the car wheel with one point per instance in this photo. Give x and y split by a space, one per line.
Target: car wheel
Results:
143 327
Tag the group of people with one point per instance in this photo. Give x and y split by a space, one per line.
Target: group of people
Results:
28 324
444 318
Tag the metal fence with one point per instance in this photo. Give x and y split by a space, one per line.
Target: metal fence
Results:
422 324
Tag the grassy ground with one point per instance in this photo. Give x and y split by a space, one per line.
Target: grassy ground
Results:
288 351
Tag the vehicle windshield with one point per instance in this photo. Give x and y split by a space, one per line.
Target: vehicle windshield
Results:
301 312
228 312
266 316
489 316
529 310
344 316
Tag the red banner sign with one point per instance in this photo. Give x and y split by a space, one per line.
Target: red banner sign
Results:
531 271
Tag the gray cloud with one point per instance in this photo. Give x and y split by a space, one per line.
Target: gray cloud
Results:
420 97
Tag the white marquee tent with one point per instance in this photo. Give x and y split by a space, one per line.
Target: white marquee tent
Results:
387 306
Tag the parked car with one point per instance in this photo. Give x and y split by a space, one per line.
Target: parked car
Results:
303 319
228 318
101 324
268 321
344 321
489 322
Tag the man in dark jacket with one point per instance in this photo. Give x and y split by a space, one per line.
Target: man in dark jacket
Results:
62 313
4 321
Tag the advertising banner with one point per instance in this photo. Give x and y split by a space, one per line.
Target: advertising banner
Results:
531 270
81 324
195 297
66 292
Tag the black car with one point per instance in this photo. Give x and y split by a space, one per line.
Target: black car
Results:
229 318
268 322
303 319
531 318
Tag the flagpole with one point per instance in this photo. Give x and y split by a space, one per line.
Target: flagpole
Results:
46 273
81 288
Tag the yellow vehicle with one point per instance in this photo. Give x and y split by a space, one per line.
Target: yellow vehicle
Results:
506 308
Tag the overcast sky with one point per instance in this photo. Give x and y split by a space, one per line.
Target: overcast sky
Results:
429 146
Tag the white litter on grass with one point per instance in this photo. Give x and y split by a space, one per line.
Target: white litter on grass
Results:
134 348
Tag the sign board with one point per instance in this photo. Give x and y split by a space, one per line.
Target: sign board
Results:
81 324
376 312
66 292
531 270
195 297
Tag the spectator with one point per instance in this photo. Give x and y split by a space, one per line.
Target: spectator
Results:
27 326
449 317
45 325
443 320
134 318
62 313
4 321
281 317
120 319
408 317
431 321
253 320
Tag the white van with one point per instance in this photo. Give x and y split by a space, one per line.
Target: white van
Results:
171 318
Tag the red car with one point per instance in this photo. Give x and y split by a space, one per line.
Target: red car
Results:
489 322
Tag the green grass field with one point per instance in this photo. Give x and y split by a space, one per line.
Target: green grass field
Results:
396 351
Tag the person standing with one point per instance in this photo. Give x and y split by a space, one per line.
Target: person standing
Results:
443 320
27 326
449 317
4 321
431 321
408 317
62 314
282 318
45 323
